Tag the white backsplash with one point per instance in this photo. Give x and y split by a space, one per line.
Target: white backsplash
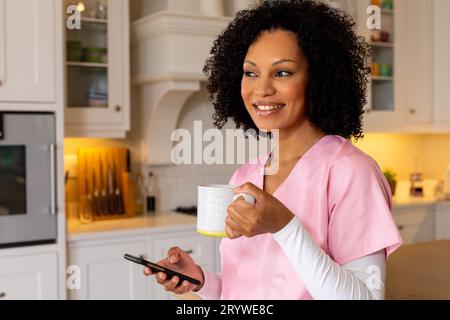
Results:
177 185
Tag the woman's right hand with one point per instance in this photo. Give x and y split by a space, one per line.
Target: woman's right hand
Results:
179 261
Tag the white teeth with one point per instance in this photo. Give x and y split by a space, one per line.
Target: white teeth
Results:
269 108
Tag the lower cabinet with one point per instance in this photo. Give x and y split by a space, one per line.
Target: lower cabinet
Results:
415 224
29 277
442 224
106 275
103 272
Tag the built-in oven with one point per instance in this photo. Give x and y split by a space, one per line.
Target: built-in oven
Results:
27 179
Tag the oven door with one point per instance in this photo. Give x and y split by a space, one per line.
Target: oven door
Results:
27 184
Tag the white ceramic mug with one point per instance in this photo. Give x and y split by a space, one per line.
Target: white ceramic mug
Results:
213 201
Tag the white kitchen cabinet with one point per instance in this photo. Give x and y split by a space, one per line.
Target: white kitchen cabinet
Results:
105 274
441 67
442 225
415 223
402 102
29 277
199 247
28 51
98 72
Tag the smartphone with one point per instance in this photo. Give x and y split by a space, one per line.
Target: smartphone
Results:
157 268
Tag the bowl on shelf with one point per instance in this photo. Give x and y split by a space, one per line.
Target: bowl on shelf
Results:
94 55
385 70
74 51
384 36
375 69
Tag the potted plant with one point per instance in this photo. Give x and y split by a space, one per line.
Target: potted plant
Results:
391 176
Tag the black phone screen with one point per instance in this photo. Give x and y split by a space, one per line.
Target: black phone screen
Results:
157 268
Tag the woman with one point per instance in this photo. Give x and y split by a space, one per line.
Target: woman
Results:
321 227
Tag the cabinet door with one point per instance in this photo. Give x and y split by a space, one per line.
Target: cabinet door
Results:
27 50
199 247
106 275
98 92
441 61
29 277
415 224
442 222
397 103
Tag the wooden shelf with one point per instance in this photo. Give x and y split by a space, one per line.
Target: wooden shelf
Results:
382 44
387 11
94 20
86 64
103 106
382 78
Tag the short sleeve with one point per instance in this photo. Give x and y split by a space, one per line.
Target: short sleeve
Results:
359 201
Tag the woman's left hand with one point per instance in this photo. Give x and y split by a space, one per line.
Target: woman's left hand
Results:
267 215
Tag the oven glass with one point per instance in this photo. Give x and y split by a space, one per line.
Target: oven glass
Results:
12 180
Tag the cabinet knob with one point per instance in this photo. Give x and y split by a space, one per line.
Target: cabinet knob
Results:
2 295
190 251
118 108
1 82
412 111
400 228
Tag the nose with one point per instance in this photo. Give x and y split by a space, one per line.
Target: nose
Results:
264 87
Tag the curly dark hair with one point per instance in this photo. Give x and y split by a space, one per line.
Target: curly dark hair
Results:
337 64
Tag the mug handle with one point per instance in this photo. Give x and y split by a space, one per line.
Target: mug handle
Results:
247 197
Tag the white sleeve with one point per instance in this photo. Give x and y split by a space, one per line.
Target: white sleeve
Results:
361 279
212 286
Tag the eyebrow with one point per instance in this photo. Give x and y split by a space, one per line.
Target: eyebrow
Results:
273 64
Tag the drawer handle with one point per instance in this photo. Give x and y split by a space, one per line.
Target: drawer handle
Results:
400 228
2 295
190 251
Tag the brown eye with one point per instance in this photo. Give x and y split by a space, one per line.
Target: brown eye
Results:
249 74
283 74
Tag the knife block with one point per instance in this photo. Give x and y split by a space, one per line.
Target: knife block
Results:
102 188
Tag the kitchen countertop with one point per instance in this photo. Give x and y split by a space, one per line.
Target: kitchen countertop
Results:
416 201
130 226
419 271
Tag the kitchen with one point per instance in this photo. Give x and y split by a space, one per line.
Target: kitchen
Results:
115 92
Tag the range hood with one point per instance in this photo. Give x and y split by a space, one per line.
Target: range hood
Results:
169 51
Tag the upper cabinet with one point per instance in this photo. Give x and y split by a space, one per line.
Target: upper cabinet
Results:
400 92
97 69
28 52
441 65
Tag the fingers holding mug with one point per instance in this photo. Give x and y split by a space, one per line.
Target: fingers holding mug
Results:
246 197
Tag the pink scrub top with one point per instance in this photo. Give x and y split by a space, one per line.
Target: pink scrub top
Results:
343 200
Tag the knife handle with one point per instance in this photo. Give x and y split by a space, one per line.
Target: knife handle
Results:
118 204
111 208
104 203
96 204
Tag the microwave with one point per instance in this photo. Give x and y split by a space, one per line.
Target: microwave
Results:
27 179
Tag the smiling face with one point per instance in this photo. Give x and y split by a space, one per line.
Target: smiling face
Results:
274 82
